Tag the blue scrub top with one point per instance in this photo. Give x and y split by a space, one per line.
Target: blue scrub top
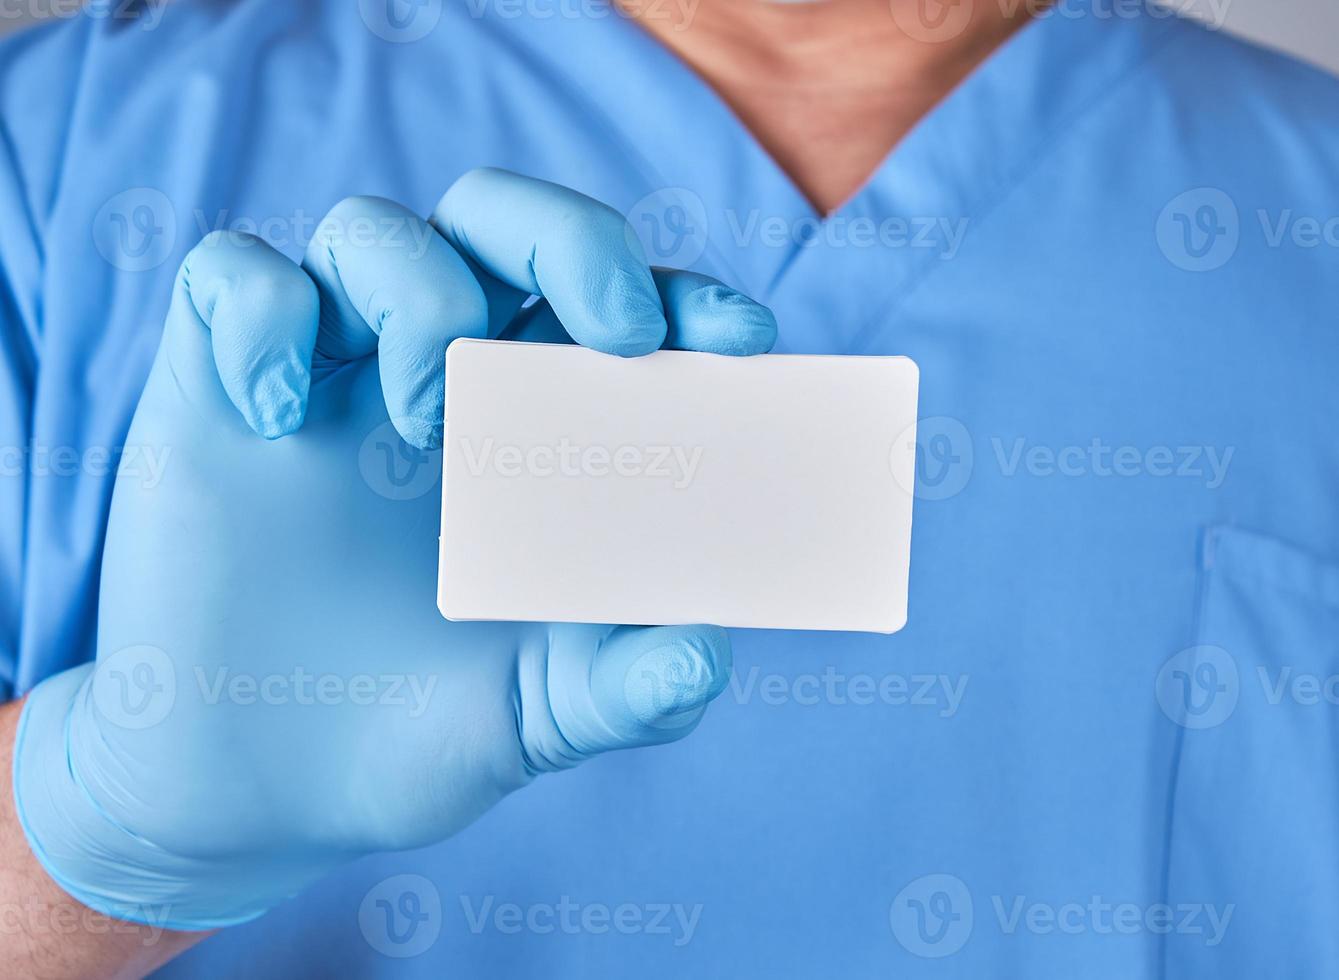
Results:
1105 744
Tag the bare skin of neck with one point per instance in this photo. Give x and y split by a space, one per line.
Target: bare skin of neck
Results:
830 87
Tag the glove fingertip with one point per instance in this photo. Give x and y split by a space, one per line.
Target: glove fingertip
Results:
704 314
719 320
275 403
629 334
660 684
416 400
420 433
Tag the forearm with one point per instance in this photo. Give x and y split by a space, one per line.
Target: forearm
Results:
44 933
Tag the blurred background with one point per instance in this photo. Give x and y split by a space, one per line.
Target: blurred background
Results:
1307 28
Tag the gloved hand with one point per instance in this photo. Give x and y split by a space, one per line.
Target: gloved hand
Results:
275 692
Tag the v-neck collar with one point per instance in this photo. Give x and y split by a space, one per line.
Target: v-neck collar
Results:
762 234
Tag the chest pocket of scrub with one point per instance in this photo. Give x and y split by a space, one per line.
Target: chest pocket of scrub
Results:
1254 829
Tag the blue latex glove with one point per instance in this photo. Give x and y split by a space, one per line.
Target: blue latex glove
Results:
275 693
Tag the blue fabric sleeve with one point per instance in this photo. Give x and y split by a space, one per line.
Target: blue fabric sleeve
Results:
19 261
39 72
